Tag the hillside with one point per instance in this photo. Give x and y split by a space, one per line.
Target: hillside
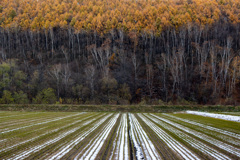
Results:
120 52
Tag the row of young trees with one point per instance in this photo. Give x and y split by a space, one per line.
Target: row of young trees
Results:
152 59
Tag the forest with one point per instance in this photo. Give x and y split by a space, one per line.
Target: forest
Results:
120 52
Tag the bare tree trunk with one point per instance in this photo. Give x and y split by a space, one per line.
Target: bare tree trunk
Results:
52 40
55 73
90 77
150 79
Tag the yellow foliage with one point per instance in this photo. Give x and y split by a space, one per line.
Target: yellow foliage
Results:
105 15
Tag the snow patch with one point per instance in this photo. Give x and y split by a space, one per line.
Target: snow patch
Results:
214 115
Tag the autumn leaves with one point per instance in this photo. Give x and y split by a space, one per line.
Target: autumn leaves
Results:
103 16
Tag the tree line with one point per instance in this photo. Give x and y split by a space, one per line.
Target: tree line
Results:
148 52
102 16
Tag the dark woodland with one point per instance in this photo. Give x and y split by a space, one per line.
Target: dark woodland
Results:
190 63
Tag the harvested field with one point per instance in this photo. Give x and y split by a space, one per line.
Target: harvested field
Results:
105 135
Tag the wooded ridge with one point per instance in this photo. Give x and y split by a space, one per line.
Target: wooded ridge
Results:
120 52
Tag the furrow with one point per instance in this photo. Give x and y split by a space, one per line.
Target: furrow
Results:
18 123
231 149
42 135
92 149
116 142
63 150
143 144
12 137
173 144
194 143
17 115
121 141
206 127
56 119
34 149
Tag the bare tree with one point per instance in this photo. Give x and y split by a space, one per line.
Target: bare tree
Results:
3 54
213 56
150 79
101 57
66 74
90 77
228 57
52 40
136 64
162 66
55 73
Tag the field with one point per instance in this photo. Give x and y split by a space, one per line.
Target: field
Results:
106 135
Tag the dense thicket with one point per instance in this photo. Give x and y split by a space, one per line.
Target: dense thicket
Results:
120 52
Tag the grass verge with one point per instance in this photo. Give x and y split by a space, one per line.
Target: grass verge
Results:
117 108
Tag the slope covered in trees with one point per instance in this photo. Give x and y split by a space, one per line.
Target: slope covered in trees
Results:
119 51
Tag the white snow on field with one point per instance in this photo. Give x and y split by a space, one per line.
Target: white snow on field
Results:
69 146
116 142
34 149
91 150
136 143
13 124
22 120
173 144
231 149
214 115
125 128
166 126
7 148
120 143
141 141
203 126
53 120
39 136
3 140
18 115
39 129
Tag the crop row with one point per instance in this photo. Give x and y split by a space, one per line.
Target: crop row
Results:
91 135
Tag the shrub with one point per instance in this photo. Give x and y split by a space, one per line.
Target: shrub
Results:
7 97
47 96
20 98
